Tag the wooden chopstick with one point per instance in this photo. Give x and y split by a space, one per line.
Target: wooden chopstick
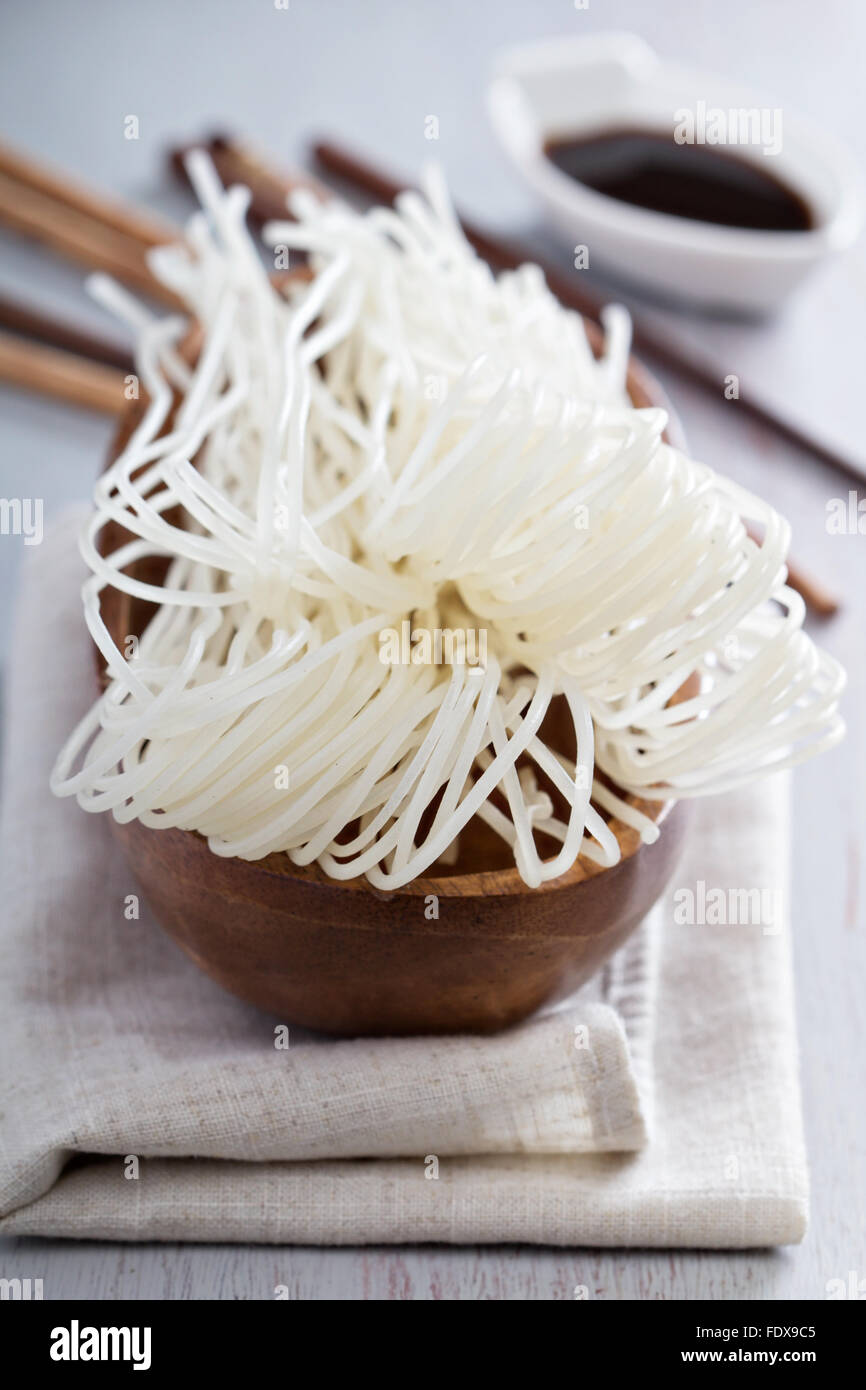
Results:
91 229
79 238
53 372
134 222
238 162
357 172
82 225
59 333
813 593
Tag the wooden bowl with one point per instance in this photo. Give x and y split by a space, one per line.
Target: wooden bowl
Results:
469 949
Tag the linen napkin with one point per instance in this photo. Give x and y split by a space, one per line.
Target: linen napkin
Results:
142 1102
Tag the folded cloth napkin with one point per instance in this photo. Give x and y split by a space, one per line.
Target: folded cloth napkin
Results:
141 1102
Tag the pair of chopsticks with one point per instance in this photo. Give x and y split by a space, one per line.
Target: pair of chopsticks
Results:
238 162
51 356
358 173
39 351
48 206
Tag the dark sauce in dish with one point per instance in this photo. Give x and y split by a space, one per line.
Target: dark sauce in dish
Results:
702 182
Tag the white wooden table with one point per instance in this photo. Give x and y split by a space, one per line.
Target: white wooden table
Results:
68 77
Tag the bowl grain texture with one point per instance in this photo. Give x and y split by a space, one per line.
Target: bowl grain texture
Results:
471 949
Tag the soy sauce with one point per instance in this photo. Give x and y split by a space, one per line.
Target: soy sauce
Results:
701 182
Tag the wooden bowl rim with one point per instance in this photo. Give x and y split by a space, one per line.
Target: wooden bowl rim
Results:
644 391
484 883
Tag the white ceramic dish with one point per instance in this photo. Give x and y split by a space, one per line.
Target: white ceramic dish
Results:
562 87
